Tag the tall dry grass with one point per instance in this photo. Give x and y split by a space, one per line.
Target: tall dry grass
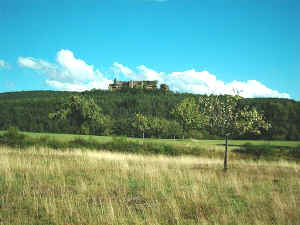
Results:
43 186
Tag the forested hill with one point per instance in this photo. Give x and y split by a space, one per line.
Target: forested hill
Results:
29 111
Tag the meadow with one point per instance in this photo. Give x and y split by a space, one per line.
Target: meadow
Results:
46 186
118 180
239 149
215 144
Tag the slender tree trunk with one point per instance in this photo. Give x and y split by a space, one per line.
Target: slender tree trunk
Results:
226 152
143 135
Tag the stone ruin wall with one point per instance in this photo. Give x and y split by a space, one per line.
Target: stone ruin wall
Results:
133 84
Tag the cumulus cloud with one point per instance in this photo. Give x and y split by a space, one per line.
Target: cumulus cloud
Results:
253 88
73 74
197 82
69 73
142 73
4 64
36 64
77 87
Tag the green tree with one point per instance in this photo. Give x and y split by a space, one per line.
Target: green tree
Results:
141 123
164 87
172 129
83 113
155 127
187 114
29 111
225 116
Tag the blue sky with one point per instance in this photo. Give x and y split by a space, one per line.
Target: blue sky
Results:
199 46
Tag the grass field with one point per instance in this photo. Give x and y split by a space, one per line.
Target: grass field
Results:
44 186
215 144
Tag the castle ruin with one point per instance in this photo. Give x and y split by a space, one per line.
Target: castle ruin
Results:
133 84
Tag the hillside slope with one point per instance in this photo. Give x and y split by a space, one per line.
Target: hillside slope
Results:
29 111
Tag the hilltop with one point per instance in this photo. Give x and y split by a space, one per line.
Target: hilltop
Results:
29 111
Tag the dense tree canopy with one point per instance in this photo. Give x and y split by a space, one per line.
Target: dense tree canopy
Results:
83 114
140 123
187 114
29 111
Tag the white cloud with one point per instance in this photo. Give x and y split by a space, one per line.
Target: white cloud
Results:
118 68
149 74
253 88
76 69
72 74
199 82
195 82
68 74
4 64
77 87
36 64
143 73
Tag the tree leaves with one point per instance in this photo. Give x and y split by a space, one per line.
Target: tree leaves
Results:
141 123
81 112
188 115
226 116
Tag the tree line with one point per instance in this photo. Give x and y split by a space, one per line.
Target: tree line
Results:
139 113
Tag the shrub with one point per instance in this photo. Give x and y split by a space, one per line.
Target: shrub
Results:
89 144
14 133
258 150
295 152
123 144
13 138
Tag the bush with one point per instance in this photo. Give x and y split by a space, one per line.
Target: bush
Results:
13 138
258 151
84 143
194 134
14 133
123 144
295 152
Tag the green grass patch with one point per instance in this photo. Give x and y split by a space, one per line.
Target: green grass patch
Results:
253 150
16 139
233 144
